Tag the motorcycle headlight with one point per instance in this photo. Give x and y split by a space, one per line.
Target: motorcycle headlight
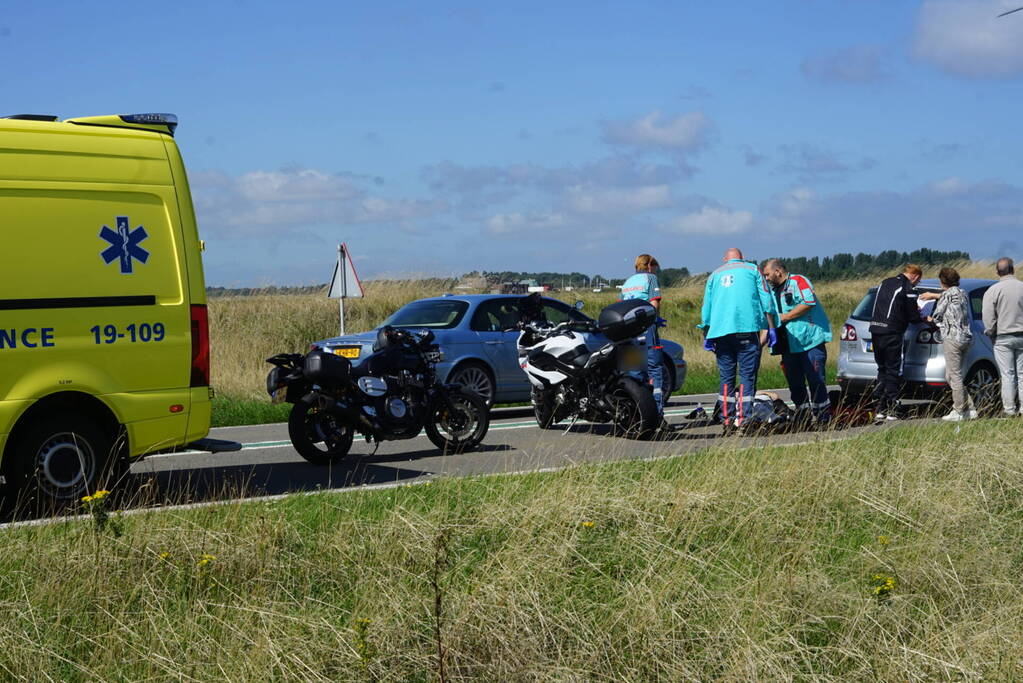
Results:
273 381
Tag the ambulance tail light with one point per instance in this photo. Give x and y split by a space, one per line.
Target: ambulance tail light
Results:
849 333
200 346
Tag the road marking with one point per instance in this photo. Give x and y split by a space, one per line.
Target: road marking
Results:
256 445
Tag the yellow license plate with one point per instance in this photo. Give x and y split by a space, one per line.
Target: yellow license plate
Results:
635 357
348 351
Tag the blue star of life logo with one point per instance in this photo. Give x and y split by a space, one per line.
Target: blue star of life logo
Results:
124 245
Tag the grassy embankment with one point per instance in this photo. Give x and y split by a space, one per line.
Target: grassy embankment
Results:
247 330
892 556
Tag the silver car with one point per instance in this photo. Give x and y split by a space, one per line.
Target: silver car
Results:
478 351
923 365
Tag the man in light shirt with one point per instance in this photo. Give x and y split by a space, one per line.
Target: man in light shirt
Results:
1003 322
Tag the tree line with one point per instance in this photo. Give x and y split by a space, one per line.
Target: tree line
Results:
667 277
845 266
838 267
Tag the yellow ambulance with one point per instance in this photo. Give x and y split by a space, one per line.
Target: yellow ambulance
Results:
104 341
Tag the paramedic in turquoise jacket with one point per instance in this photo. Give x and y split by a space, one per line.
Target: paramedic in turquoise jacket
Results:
738 319
643 285
807 330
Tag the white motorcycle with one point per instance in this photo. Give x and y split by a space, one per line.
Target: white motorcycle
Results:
571 381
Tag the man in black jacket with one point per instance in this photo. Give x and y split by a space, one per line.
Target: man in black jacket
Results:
895 308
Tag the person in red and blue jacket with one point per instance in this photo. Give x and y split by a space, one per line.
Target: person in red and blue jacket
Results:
805 331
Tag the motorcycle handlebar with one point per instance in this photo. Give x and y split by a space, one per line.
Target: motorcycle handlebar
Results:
551 330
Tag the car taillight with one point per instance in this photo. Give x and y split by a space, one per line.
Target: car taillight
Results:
928 336
200 346
849 333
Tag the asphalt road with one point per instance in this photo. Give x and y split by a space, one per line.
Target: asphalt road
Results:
268 465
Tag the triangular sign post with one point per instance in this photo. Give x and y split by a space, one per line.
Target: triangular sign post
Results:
344 283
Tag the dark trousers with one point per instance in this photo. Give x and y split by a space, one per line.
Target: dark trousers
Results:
737 352
888 356
808 368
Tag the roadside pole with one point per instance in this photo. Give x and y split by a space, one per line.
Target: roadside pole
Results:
344 283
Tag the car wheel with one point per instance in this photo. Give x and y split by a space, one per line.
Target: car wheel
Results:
984 389
667 378
477 378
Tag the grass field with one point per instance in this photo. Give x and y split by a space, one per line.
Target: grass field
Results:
892 556
246 330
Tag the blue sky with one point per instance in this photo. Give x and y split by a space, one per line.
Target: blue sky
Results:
439 138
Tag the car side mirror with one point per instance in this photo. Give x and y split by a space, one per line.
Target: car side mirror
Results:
579 305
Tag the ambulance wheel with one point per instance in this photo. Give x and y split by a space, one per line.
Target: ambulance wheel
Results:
635 411
56 461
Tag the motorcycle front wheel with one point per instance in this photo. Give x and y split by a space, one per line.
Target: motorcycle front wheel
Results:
460 427
546 409
635 411
319 437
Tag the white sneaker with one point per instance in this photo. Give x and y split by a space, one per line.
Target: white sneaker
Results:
970 414
881 418
955 416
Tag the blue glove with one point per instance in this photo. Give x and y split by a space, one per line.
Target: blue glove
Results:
708 345
772 337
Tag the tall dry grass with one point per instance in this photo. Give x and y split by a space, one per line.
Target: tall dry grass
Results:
246 330
894 556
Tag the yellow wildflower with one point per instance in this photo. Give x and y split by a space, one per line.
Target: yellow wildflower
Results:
883 540
587 524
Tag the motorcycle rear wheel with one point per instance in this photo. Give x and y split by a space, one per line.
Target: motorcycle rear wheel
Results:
319 437
463 428
635 411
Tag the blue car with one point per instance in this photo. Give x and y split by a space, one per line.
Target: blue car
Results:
478 353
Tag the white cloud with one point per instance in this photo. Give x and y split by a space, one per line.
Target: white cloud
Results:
711 221
612 200
294 185
511 223
270 201
967 38
686 132
948 187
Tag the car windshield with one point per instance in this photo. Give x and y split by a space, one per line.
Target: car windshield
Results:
437 314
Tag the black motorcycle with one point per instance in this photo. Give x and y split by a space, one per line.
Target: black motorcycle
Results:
393 394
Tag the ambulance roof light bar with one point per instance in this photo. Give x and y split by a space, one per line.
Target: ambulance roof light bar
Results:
169 120
160 123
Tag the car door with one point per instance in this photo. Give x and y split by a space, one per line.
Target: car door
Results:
490 323
981 348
